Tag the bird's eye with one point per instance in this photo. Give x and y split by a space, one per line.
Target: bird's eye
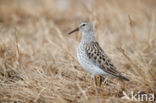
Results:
83 24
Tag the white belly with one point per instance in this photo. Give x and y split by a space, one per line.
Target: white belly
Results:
87 64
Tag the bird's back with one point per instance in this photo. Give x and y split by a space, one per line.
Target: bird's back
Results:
100 59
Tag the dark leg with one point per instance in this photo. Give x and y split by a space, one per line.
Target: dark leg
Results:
98 80
95 80
97 91
101 80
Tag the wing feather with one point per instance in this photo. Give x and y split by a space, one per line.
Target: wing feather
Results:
99 58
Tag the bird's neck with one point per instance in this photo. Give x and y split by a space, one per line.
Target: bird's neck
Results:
88 37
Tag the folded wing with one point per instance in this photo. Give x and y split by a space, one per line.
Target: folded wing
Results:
99 58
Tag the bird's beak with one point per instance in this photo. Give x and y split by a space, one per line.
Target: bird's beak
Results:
77 29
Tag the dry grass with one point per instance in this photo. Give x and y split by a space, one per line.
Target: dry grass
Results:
38 61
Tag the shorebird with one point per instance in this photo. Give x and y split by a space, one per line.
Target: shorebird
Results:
92 57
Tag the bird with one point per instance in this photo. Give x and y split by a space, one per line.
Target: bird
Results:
92 57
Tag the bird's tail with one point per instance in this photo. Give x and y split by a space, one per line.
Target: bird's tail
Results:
124 78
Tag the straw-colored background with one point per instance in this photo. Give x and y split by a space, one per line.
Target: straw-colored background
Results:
38 61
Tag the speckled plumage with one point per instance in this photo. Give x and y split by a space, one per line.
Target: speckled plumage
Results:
91 56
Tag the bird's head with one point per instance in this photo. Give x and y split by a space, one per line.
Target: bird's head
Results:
83 27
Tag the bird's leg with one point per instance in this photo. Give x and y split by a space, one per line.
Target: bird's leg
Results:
97 92
95 79
98 80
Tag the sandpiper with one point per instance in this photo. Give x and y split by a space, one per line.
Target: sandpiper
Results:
91 56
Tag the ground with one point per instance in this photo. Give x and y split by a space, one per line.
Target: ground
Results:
38 62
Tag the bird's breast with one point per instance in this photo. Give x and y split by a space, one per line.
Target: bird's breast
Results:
86 63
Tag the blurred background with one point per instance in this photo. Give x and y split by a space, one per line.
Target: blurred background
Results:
38 62
109 12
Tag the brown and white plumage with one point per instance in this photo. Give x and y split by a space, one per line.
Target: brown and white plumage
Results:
99 58
91 56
